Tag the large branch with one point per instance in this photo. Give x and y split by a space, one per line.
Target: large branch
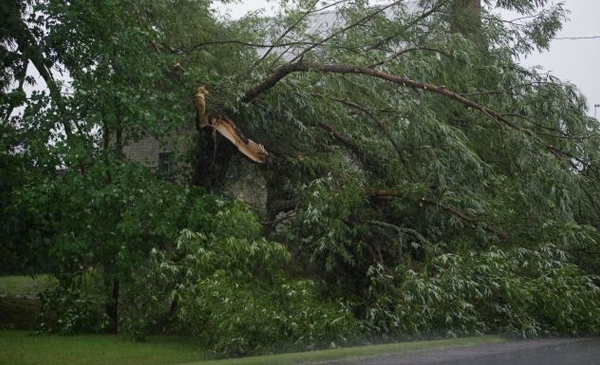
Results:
31 50
301 66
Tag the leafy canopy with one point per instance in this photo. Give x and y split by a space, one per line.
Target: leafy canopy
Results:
421 181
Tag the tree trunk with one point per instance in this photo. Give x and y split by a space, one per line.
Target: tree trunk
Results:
112 307
211 159
466 17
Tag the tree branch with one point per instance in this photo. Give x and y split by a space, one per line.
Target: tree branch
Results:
448 209
30 49
345 141
248 44
400 230
286 32
412 49
389 38
345 29
300 66
399 150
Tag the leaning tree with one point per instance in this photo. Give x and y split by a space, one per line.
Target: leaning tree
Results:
417 174
407 139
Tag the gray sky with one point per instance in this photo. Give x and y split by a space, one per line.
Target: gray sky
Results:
576 60
573 60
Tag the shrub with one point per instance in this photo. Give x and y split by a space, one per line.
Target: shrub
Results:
233 295
521 291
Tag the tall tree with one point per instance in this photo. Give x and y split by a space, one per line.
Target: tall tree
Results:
404 154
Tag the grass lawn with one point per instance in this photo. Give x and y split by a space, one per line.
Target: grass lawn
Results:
24 285
19 305
22 347
358 352
26 348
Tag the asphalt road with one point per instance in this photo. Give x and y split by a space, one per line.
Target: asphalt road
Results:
583 351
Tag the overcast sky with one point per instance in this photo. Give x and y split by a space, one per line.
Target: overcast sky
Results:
576 60
573 60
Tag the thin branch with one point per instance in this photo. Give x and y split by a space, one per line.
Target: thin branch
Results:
387 39
285 33
291 45
248 44
505 90
368 113
347 142
406 50
345 29
448 209
401 230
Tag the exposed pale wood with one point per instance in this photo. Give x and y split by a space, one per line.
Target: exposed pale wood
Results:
228 129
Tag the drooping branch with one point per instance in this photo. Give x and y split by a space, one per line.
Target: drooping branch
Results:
247 44
401 230
413 49
473 222
346 142
415 21
373 162
370 115
301 66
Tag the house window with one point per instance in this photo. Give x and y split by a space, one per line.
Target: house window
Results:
167 164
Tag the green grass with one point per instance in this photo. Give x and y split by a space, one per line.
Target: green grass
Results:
359 352
24 348
24 285
19 305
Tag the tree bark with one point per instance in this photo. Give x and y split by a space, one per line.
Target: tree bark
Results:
212 156
32 51
465 17
112 307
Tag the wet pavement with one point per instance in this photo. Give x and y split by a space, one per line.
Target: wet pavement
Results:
582 351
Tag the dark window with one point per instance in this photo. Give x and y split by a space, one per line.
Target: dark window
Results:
167 164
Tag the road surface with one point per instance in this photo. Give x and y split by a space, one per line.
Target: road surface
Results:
582 351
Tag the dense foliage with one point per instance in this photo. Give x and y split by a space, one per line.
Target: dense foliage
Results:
421 182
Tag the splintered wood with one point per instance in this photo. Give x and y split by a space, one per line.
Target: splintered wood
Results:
228 129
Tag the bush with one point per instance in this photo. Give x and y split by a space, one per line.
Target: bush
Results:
232 294
68 309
